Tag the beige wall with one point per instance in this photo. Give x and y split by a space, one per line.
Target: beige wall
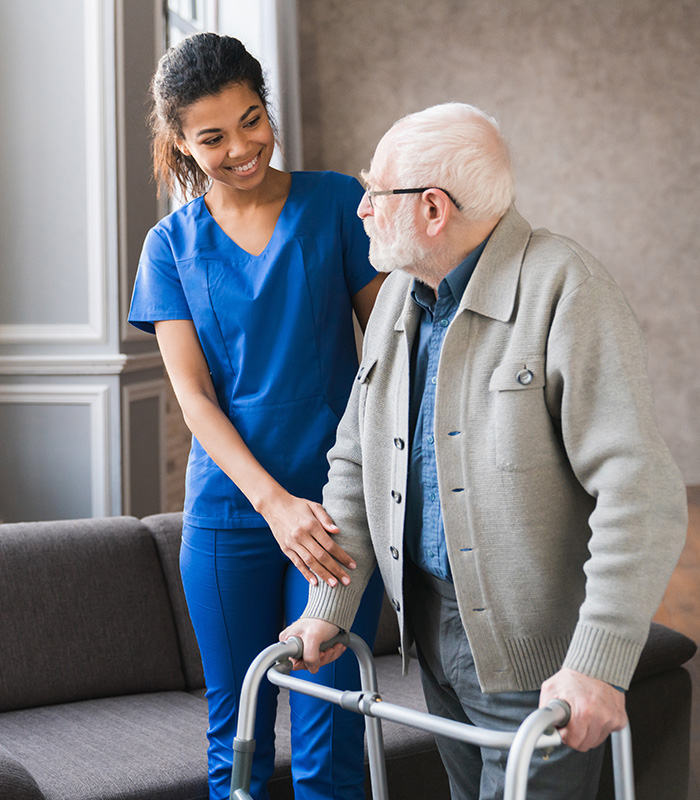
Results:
600 100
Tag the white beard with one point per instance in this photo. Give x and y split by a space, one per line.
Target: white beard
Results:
399 248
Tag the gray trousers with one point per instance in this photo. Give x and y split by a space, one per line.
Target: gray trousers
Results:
452 690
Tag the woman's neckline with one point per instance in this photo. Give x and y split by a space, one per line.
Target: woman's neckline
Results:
273 234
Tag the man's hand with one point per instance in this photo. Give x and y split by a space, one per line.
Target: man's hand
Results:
597 708
313 632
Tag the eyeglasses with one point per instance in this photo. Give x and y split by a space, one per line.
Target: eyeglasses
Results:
378 193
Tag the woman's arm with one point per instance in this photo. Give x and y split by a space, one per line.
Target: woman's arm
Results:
363 301
300 526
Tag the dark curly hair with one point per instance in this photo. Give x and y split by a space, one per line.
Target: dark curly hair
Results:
199 66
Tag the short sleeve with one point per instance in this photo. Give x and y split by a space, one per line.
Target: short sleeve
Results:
358 271
158 293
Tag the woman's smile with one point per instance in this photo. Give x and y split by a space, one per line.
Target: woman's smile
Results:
244 168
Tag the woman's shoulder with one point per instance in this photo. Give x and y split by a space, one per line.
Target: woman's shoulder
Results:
178 231
327 194
181 217
325 182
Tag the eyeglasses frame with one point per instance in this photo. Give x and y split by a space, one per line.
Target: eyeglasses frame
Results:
379 192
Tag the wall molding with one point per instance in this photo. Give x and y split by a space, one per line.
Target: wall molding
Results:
95 329
79 364
96 397
143 391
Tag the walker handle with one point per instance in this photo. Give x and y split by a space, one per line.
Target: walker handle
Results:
340 638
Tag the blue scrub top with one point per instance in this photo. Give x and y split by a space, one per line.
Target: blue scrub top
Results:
276 330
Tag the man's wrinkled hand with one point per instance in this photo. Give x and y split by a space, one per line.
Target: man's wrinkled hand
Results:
313 633
597 708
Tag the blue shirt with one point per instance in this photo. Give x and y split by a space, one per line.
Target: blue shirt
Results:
276 330
424 533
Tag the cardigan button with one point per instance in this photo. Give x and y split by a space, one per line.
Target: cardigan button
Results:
524 377
398 443
394 552
396 496
396 604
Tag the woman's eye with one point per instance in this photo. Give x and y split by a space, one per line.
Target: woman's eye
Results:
214 140
252 123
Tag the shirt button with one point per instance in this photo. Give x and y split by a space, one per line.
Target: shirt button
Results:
431 439
398 443
444 322
433 380
396 495
396 604
524 377
394 552
432 495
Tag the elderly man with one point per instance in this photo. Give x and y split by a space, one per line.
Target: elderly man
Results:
499 457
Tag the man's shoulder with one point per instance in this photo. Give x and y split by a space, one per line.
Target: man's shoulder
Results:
552 252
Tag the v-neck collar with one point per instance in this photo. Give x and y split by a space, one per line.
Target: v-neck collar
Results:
204 211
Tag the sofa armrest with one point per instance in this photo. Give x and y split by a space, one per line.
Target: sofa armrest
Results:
16 783
664 650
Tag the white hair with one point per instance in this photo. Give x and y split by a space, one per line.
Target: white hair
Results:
459 148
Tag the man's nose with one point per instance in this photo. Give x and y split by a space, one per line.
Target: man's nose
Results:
365 209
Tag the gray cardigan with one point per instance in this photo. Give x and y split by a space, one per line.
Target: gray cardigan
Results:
564 512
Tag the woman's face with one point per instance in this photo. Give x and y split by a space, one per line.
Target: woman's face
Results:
229 135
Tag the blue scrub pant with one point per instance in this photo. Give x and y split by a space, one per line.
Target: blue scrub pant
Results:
241 591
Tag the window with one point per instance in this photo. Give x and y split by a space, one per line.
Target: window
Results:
185 17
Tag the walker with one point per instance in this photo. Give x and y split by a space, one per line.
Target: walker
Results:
537 732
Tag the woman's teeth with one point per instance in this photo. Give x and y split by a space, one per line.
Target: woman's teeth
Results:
246 167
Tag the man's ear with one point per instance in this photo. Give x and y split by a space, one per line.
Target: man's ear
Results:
435 209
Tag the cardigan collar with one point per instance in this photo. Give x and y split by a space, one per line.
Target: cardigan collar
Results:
493 287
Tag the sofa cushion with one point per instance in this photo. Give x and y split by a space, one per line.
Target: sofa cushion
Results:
166 530
84 613
136 746
15 781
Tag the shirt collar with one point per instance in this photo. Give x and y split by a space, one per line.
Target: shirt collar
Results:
454 282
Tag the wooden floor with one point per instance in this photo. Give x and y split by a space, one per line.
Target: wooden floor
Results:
680 609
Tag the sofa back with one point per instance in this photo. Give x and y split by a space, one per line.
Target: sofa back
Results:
84 613
166 530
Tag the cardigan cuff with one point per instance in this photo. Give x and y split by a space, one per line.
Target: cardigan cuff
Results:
336 604
602 654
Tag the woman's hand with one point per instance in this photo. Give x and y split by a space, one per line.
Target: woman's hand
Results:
303 531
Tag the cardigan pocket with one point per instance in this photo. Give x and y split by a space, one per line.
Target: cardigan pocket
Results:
524 433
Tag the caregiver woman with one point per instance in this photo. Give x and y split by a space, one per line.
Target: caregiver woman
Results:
250 289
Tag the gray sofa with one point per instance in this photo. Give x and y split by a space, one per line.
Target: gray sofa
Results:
102 690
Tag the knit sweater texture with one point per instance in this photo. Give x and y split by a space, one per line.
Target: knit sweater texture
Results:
564 512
